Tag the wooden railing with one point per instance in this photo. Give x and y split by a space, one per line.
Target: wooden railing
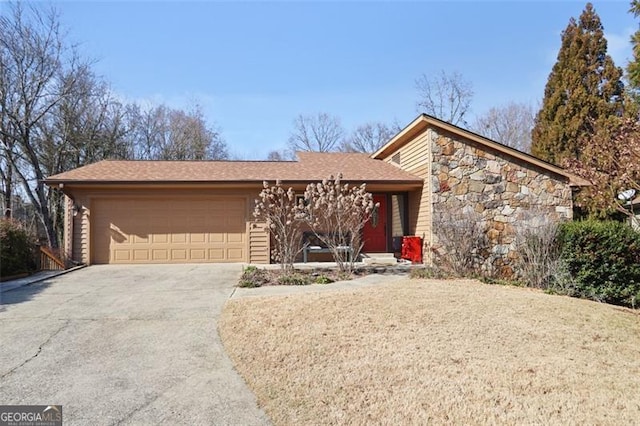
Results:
48 261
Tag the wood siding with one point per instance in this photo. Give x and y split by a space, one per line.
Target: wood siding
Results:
80 230
67 243
415 158
259 246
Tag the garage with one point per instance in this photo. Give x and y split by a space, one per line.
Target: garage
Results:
163 230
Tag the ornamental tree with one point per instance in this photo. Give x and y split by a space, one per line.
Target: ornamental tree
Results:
282 214
337 214
611 162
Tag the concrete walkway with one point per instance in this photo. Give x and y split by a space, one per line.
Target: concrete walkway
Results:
125 345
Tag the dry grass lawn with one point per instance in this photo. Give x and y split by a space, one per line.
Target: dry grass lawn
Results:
418 352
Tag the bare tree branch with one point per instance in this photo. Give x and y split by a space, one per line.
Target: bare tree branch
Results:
446 96
367 138
321 133
510 124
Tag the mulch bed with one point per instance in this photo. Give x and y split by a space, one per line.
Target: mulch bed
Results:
256 277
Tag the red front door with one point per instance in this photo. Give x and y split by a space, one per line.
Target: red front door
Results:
375 230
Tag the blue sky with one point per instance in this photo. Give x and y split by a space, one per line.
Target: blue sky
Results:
254 66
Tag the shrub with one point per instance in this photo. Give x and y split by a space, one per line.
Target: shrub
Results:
323 279
603 259
428 272
462 242
294 278
253 277
538 264
17 248
562 282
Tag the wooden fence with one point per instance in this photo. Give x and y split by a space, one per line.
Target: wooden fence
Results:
48 261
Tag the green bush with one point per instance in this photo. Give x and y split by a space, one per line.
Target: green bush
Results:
294 278
253 277
17 249
322 279
603 260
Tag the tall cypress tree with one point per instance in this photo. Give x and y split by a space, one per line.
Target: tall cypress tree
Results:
584 91
633 67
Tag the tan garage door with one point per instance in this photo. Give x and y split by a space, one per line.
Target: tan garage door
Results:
168 230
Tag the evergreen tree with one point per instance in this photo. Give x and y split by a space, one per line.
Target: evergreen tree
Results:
633 67
584 92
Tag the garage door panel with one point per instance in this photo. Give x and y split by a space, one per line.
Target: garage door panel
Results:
122 255
178 238
178 254
166 231
141 239
159 238
198 238
235 254
198 254
140 254
235 238
160 254
216 254
216 238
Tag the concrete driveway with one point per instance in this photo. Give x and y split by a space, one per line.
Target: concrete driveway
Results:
125 345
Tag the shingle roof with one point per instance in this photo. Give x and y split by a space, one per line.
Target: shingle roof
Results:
311 166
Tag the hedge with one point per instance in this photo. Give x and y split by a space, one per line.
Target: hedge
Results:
603 259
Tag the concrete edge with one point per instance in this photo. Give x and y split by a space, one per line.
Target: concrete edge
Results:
22 282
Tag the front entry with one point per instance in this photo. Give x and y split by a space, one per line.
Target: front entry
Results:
375 230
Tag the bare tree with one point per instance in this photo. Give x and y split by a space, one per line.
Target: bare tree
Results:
281 155
86 126
446 96
321 133
163 133
55 113
509 124
37 72
368 138
7 159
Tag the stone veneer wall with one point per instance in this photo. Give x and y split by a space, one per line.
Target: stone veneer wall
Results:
505 193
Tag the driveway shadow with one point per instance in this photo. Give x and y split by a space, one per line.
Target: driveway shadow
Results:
22 294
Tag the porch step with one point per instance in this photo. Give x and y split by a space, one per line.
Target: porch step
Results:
385 259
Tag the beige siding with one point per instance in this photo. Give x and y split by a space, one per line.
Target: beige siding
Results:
258 243
415 158
396 216
80 238
68 227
